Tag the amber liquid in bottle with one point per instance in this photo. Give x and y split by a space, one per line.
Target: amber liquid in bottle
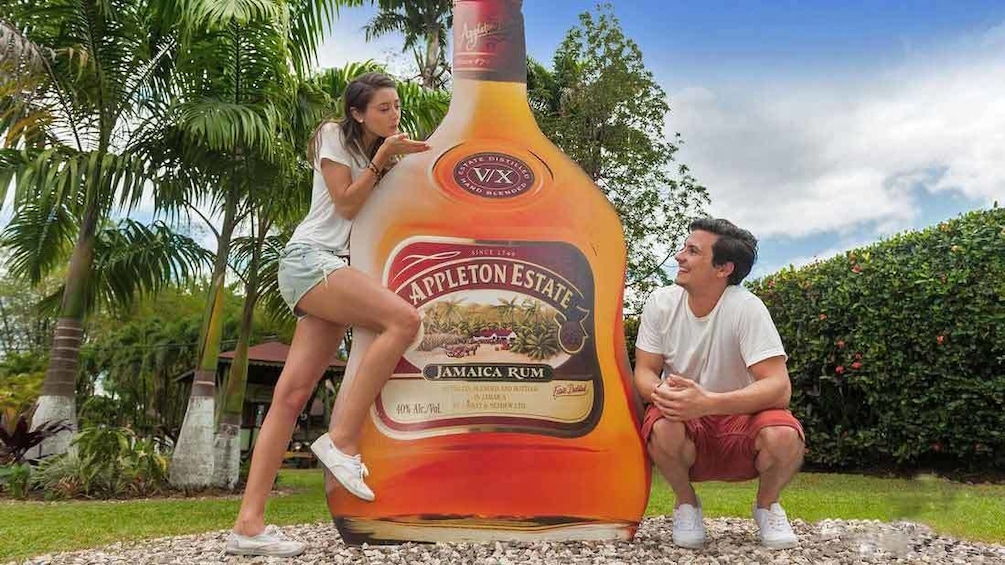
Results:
512 416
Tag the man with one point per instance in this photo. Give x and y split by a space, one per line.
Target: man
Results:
719 412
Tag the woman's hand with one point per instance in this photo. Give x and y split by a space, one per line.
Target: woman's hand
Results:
398 144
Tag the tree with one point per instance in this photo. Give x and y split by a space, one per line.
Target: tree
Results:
25 328
236 89
604 109
418 20
73 125
135 355
276 201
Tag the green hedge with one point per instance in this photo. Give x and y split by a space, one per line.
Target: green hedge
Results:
897 350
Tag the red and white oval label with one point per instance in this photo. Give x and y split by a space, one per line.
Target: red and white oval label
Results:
493 175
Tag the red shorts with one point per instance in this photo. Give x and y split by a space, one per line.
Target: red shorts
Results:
725 444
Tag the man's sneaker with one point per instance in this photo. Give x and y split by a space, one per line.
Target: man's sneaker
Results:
688 529
776 532
271 543
347 469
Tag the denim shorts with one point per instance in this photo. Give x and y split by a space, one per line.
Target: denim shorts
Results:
301 268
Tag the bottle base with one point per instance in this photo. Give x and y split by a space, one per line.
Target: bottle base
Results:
458 529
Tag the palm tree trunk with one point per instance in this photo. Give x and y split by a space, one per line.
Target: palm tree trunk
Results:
58 401
432 60
228 447
192 464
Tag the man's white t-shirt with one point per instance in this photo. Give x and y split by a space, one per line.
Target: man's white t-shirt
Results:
716 350
323 227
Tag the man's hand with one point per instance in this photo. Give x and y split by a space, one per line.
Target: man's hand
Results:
681 399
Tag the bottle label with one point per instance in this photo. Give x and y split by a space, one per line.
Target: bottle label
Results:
506 340
489 41
493 175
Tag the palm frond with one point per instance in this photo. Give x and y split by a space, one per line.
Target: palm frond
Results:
422 109
20 56
332 81
26 108
221 13
225 126
309 20
384 23
38 239
131 258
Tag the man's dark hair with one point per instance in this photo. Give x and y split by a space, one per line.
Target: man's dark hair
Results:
734 245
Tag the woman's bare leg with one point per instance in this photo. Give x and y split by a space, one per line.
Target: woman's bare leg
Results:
354 298
315 343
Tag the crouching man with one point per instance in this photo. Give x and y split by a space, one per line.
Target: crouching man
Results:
711 365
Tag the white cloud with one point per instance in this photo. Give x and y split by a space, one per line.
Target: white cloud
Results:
797 158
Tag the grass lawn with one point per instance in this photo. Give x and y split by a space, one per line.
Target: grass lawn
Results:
972 512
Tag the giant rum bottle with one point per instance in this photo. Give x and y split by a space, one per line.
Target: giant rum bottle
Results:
512 416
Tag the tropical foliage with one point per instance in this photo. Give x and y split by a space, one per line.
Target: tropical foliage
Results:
76 123
106 463
202 110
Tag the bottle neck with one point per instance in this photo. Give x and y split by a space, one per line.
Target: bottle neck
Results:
488 101
489 61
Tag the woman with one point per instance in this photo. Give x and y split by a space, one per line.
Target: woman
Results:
326 295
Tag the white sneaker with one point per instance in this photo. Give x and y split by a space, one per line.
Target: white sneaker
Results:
347 469
271 543
688 528
776 532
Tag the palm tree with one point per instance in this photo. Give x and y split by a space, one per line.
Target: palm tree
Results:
275 202
234 94
507 311
425 20
73 126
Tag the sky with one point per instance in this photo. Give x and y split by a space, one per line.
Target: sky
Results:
818 126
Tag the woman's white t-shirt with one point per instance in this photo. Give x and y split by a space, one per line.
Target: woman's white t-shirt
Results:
323 227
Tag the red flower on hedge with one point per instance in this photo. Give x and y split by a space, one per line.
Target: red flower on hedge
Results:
858 356
856 365
856 269
840 344
823 316
839 369
940 339
936 447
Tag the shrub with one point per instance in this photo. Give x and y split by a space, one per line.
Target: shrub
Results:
22 375
15 479
897 350
105 463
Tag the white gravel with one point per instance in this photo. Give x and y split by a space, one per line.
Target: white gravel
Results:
731 540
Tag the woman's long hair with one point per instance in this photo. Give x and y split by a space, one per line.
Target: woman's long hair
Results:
358 94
